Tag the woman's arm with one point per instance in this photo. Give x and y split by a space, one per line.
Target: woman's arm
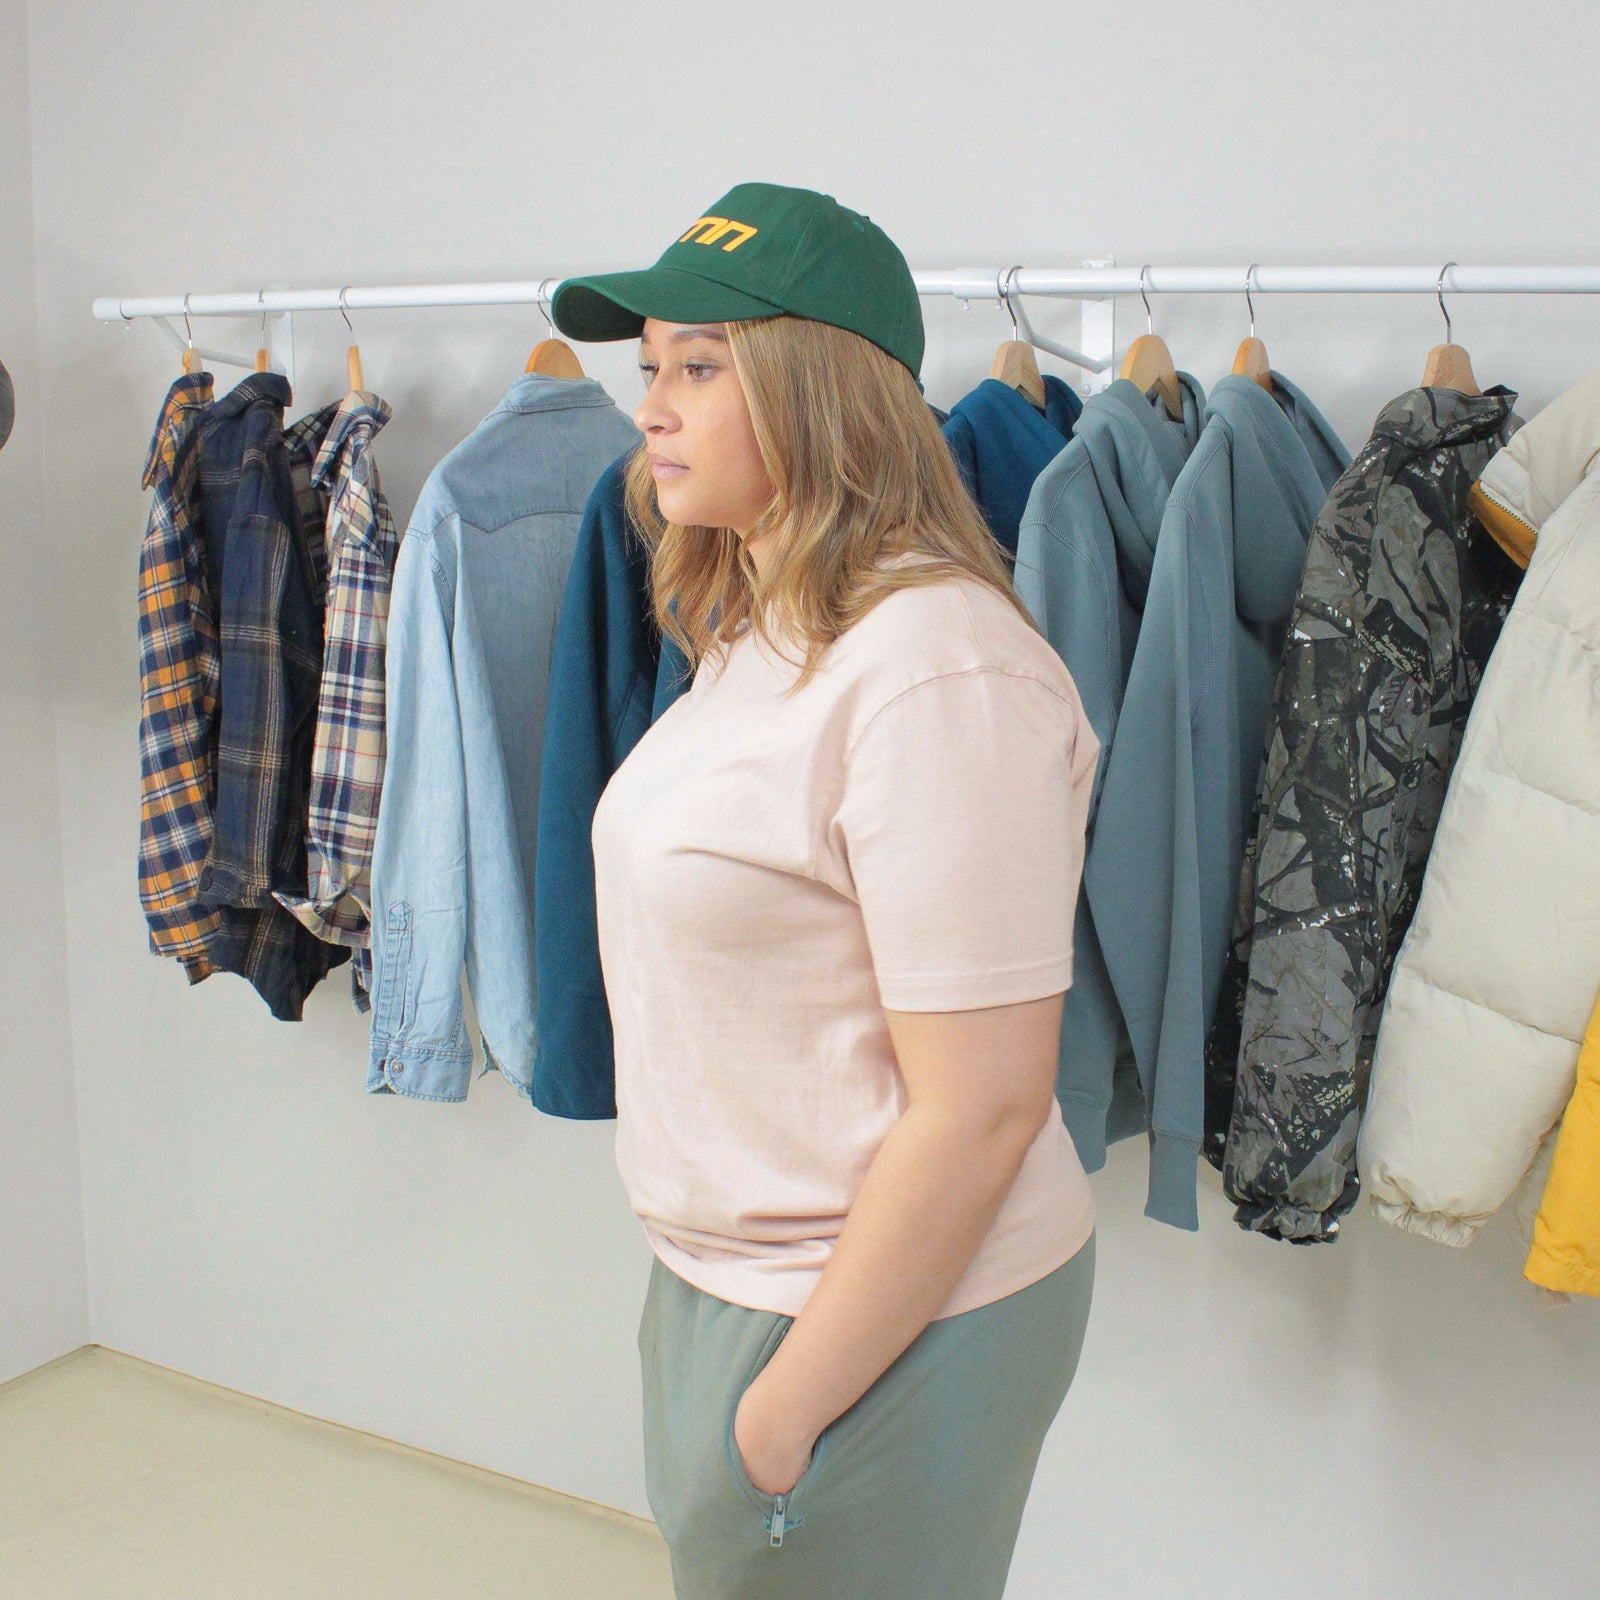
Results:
980 1084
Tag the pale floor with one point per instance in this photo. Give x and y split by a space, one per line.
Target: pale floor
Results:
121 1480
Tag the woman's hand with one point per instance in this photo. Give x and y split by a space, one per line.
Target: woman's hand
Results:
773 1455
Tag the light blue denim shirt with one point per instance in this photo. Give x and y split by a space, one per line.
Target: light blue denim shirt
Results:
472 620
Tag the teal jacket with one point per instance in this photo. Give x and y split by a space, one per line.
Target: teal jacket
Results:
1085 549
1163 862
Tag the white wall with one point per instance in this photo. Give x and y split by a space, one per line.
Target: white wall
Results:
1380 1416
43 1291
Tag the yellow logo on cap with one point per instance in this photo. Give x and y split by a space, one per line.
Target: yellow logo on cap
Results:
714 228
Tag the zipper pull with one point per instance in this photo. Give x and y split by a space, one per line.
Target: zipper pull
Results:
777 1519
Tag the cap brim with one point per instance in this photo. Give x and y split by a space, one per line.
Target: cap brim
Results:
613 305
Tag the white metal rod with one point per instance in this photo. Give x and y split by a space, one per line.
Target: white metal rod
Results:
964 283
110 308
1092 282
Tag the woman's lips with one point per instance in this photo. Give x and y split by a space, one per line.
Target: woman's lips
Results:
666 469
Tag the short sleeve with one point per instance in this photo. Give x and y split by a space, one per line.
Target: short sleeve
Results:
961 821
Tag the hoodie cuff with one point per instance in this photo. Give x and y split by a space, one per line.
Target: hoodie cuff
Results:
1171 1198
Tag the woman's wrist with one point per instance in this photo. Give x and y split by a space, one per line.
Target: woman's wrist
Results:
779 1414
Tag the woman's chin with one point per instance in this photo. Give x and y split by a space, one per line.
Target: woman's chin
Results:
679 507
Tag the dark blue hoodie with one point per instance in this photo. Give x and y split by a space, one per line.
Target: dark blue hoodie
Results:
1001 444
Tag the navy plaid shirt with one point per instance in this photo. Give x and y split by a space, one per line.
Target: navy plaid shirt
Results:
262 517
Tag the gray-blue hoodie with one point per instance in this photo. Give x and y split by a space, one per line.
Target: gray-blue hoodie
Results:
1163 864
1085 548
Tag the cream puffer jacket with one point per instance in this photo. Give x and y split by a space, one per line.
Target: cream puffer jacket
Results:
1495 983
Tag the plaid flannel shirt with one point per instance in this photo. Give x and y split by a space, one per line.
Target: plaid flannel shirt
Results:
178 688
348 749
263 516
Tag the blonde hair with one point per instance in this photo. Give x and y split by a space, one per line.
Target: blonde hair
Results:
860 472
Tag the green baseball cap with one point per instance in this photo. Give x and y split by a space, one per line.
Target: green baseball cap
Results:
762 249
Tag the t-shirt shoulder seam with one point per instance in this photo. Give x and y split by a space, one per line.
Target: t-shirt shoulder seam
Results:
940 677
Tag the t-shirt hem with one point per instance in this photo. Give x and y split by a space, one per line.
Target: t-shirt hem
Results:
757 1290
965 992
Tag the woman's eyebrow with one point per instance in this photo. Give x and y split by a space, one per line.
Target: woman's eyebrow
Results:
683 334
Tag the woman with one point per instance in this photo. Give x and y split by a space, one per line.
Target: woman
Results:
835 895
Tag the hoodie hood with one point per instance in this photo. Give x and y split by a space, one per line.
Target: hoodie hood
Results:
1286 458
1001 444
1136 451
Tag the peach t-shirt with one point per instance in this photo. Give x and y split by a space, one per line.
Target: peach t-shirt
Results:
904 832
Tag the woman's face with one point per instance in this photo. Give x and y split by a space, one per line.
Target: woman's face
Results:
708 471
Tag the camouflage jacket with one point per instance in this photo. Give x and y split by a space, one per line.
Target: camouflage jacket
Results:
1401 600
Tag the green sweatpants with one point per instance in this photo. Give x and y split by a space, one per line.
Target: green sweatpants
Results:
914 1493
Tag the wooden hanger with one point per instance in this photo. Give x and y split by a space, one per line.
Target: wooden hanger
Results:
263 359
1251 361
1449 366
555 358
192 361
1015 364
1148 363
352 360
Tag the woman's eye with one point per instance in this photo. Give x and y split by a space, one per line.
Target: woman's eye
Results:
698 371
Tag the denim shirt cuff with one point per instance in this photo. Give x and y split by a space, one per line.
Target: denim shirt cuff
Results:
419 1071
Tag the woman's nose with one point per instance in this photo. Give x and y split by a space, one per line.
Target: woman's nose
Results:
651 414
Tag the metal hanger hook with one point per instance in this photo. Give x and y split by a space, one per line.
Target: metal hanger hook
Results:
1439 290
1005 295
1150 321
539 298
261 300
346 315
1249 271
189 327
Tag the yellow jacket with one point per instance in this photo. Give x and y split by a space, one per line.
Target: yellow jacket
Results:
1566 1233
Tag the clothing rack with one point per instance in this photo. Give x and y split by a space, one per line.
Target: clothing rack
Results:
1096 284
